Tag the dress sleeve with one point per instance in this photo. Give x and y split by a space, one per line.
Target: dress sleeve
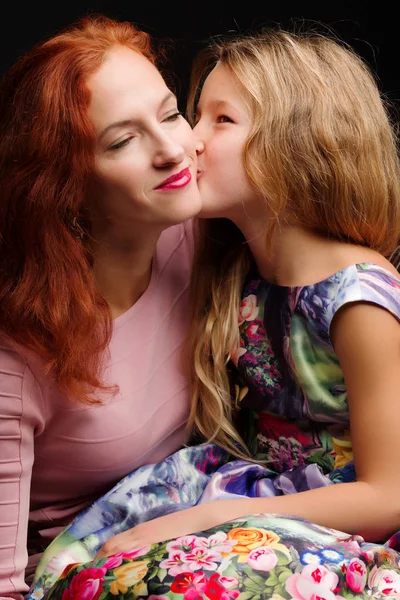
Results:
20 407
367 283
319 303
380 287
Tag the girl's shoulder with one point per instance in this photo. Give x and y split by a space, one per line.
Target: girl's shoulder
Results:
360 282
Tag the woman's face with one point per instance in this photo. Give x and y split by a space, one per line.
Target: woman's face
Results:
145 159
222 127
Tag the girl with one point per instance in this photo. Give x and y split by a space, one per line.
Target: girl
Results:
296 309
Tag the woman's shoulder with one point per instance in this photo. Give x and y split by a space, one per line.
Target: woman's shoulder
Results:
12 360
19 359
22 382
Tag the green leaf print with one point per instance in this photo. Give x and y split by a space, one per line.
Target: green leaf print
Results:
325 461
283 559
245 596
232 525
249 584
256 580
152 573
231 570
281 591
250 573
284 575
272 580
162 573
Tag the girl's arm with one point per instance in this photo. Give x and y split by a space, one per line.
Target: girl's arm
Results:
367 341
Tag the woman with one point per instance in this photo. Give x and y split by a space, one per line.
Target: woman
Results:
98 175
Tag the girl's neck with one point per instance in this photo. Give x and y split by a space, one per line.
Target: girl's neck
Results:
299 257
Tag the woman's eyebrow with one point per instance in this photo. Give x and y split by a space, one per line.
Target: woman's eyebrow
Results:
125 122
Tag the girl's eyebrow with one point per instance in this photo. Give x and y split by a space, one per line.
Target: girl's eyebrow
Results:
218 105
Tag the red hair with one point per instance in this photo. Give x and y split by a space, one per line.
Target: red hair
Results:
49 302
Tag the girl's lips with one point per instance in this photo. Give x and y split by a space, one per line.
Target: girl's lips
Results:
177 180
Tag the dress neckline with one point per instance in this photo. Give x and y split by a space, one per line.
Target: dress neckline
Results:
361 266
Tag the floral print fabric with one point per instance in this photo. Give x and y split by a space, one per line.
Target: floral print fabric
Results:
291 387
289 375
259 558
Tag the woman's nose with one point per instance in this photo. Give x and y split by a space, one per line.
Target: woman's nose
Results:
169 151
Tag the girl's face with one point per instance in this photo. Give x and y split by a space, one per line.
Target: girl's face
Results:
222 127
145 159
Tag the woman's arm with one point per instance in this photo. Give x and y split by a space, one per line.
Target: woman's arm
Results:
17 424
367 341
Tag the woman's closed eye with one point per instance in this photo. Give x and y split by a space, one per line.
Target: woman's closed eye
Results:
120 144
123 143
174 117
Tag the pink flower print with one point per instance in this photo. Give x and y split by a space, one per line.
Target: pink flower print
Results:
202 558
252 329
176 563
113 561
191 585
186 543
352 544
315 581
248 309
136 553
385 581
236 354
262 559
87 585
356 575
218 542
368 555
116 559
229 582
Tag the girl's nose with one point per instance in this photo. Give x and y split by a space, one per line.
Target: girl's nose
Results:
199 145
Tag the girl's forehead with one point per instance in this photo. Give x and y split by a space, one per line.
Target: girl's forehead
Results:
222 89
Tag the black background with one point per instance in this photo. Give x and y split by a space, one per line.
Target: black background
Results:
370 28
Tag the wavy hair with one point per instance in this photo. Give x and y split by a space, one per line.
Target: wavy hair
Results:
48 298
321 150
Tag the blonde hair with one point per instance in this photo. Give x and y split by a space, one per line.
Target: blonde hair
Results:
322 150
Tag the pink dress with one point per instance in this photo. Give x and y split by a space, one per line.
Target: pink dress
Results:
57 456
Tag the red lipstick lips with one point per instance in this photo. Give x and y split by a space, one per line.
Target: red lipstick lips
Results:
176 181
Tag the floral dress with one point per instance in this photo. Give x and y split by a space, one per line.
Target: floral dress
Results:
291 390
290 378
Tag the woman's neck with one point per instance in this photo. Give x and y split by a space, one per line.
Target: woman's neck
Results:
123 266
